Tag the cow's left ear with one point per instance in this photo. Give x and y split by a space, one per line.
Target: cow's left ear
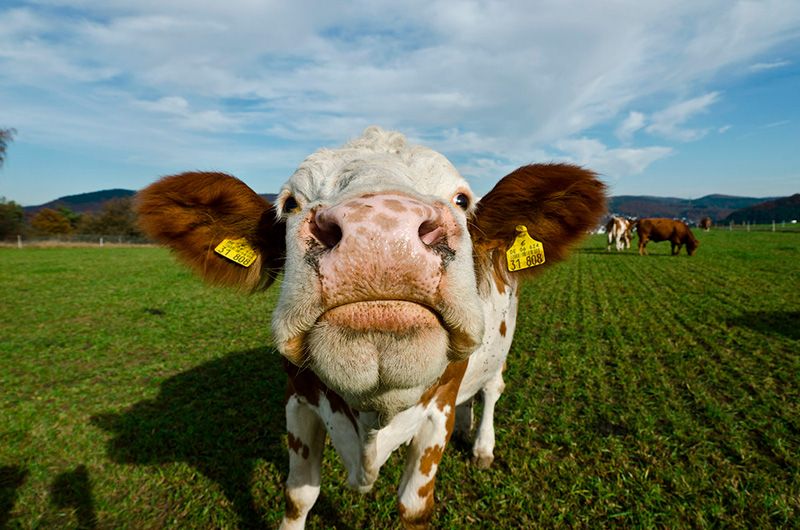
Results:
557 203
194 213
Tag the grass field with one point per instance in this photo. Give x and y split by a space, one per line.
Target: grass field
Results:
641 392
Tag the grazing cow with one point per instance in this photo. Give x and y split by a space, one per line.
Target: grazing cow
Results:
618 230
705 223
659 229
399 297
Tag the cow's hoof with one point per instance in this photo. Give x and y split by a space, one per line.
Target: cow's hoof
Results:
483 461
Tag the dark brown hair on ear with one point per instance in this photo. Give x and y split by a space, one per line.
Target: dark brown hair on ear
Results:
558 203
194 212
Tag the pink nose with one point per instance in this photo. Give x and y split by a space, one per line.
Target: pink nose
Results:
390 217
383 247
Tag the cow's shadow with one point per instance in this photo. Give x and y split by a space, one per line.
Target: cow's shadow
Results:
220 417
786 323
11 479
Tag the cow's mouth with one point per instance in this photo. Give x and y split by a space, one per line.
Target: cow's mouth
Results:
392 316
379 355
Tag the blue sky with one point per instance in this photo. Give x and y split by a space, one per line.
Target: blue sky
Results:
670 98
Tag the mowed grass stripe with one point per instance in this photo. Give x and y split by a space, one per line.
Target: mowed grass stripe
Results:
641 392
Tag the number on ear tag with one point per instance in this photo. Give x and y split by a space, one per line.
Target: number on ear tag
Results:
238 251
525 252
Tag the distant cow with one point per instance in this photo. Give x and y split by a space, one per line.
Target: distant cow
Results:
705 223
399 295
658 229
618 230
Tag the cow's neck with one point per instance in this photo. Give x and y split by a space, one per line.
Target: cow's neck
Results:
364 439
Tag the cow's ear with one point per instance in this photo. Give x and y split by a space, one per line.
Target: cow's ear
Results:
557 203
193 213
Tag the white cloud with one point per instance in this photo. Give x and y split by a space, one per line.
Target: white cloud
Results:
634 122
780 123
760 67
614 163
184 116
670 122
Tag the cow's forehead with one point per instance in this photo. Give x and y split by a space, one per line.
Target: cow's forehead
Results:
376 161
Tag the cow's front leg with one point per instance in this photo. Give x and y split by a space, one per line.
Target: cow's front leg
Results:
483 449
422 461
306 438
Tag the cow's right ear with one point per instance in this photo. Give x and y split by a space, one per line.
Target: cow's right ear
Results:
193 213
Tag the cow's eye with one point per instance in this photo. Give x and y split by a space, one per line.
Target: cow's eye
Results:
461 200
290 205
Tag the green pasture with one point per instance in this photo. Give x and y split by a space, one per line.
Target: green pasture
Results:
642 392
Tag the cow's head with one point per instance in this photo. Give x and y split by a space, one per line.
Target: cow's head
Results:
386 254
691 242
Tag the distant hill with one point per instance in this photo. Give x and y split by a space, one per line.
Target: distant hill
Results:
716 206
93 201
783 209
83 202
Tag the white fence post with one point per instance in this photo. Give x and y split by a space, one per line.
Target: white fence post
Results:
19 241
773 225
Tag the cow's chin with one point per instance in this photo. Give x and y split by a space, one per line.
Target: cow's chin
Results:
378 355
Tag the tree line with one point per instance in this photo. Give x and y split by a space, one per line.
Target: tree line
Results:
115 218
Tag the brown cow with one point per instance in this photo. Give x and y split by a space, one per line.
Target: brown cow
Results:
659 229
705 223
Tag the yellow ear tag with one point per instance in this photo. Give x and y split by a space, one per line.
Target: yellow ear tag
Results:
525 252
237 250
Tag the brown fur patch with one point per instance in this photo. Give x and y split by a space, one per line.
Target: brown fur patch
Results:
430 457
427 489
417 521
558 203
445 392
500 280
503 328
446 388
305 383
292 510
193 212
301 384
297 445
295 349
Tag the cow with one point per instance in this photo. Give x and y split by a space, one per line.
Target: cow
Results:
398 299
660 229
618 231
705 223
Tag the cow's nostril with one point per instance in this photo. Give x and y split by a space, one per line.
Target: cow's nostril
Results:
326 230
431 233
